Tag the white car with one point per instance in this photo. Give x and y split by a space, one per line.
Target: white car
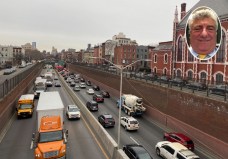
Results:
129 123
49 84
90 91
73 112
82 85
170 150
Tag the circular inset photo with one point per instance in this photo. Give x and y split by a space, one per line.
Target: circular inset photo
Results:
203 33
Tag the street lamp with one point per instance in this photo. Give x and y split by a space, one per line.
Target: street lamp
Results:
121 68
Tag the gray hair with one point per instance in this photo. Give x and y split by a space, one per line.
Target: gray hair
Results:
201 13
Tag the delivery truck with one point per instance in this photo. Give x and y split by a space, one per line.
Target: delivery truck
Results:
51 138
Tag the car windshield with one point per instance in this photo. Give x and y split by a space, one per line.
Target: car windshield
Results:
94 104
40 88
25 106
133 122
73 109
50 136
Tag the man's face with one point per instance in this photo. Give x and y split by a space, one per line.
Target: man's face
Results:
203 36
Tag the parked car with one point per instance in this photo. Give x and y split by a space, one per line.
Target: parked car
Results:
170 150
178 82
98 98
82 85
73 112
163 79
88 83
181 138
196 86
92 105
134 151
219 90
96 88
151 76
90 91
129 123
57 84
76 88
105 94
106 120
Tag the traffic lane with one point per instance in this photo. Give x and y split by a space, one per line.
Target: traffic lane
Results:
81 142
17 141
148 134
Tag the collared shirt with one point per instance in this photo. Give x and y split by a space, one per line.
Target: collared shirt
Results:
207 57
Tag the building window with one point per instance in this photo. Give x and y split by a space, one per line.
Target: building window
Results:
190 57
219 78
203 76
155 70
165 58
155 58
164 71
145 56
190 75
179 73
221 52
179 49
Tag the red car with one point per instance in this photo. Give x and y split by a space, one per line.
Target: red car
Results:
181 138
98 98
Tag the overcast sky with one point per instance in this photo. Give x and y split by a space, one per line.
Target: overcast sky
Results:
75 23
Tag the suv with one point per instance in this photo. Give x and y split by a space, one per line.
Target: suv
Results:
92 105
129 123
106 120
96 88
170 150
98 98
134 151
181 138
73 112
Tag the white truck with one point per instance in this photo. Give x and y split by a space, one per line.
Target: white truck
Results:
131 105
39 86
49 104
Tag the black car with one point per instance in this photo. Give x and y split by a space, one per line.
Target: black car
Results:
197 86
219 90
82 79
178 82
96 88
98 98
134 151
163 79
105 94
92 105
106 120
88 83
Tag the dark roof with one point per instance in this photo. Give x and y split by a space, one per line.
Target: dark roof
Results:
163 47
219 6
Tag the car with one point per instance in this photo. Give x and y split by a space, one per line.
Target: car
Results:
73 112
179 137
98 98
135 151
163 79
49 84
96 88
105 94
90 91
68 80
57 84
55 78
82 85
92 105
106 120
151 76
178 82
129 123
72 84
88 83
82 79
219 90
196 86
170 150
7 71
76 88
76 80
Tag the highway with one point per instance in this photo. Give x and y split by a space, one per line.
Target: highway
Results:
82 144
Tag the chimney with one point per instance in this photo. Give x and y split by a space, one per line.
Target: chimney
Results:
183 10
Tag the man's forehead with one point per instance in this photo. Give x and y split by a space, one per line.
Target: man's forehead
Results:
205 21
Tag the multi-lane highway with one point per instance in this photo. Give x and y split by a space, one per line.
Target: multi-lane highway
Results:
82 143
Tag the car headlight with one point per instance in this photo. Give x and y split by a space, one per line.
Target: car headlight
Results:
38 155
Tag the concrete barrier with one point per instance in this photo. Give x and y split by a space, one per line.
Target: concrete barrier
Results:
107 141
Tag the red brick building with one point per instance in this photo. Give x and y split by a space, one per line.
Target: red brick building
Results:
214 70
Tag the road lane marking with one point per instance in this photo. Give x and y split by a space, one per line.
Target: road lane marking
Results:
134 140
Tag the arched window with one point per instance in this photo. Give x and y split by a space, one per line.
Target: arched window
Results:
164 71
220 55
203 76
155 58
155 70
179 49
190 75
166 58
178 73
219 78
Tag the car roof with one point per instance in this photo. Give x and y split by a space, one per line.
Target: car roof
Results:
130 118
180 135
72 106
107 115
